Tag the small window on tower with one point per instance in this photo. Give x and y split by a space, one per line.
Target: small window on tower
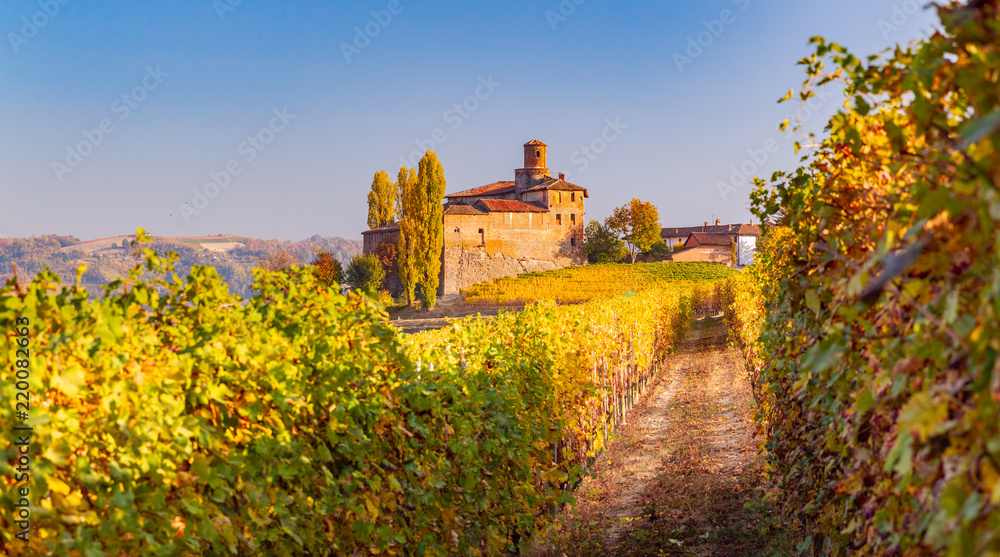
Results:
572 196
538 154
458 230
558 219
480 230
572 219
572 242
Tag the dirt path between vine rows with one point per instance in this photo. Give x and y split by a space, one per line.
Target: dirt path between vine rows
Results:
679 477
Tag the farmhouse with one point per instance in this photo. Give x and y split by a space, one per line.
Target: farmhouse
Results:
713 243
533 223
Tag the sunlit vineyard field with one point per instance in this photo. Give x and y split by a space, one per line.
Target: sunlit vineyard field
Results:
579 284
299 422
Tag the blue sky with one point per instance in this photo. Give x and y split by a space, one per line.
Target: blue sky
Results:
114 115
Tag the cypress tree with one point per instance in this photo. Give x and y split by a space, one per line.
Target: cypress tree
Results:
431 183
409 232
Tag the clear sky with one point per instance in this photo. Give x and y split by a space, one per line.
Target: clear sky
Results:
114 115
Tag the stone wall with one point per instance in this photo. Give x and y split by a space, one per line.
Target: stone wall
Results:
509 244
465 266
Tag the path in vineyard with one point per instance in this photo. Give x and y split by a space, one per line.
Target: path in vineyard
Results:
676 478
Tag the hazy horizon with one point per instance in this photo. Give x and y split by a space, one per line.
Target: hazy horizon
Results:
118 117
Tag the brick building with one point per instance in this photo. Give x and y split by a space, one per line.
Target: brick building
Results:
713 243
532 223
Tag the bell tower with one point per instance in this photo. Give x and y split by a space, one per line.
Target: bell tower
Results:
534 154
534 171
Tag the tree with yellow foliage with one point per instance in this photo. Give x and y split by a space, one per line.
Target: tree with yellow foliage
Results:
638 225
431 183
409 230
381 201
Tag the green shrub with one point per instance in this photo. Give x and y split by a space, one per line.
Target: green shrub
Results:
365 273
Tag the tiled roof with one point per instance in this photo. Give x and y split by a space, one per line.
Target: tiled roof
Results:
560 185
496 188
738 229
507 206
386 228
535 142
703 239
462 210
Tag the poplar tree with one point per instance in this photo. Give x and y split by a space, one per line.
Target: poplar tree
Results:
381 201
431 183
409 232
397 189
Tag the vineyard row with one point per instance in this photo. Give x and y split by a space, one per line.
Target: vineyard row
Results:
181 420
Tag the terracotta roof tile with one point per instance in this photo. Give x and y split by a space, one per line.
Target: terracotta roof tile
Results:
496 188
507 206
560 185
535 142
704 239
462 210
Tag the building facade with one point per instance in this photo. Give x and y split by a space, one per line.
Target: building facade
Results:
713 243
533 223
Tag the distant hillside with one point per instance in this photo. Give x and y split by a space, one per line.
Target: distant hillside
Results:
109 258
219 242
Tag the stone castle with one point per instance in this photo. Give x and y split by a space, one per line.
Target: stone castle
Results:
533 223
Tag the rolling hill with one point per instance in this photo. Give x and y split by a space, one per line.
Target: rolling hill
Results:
110 257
